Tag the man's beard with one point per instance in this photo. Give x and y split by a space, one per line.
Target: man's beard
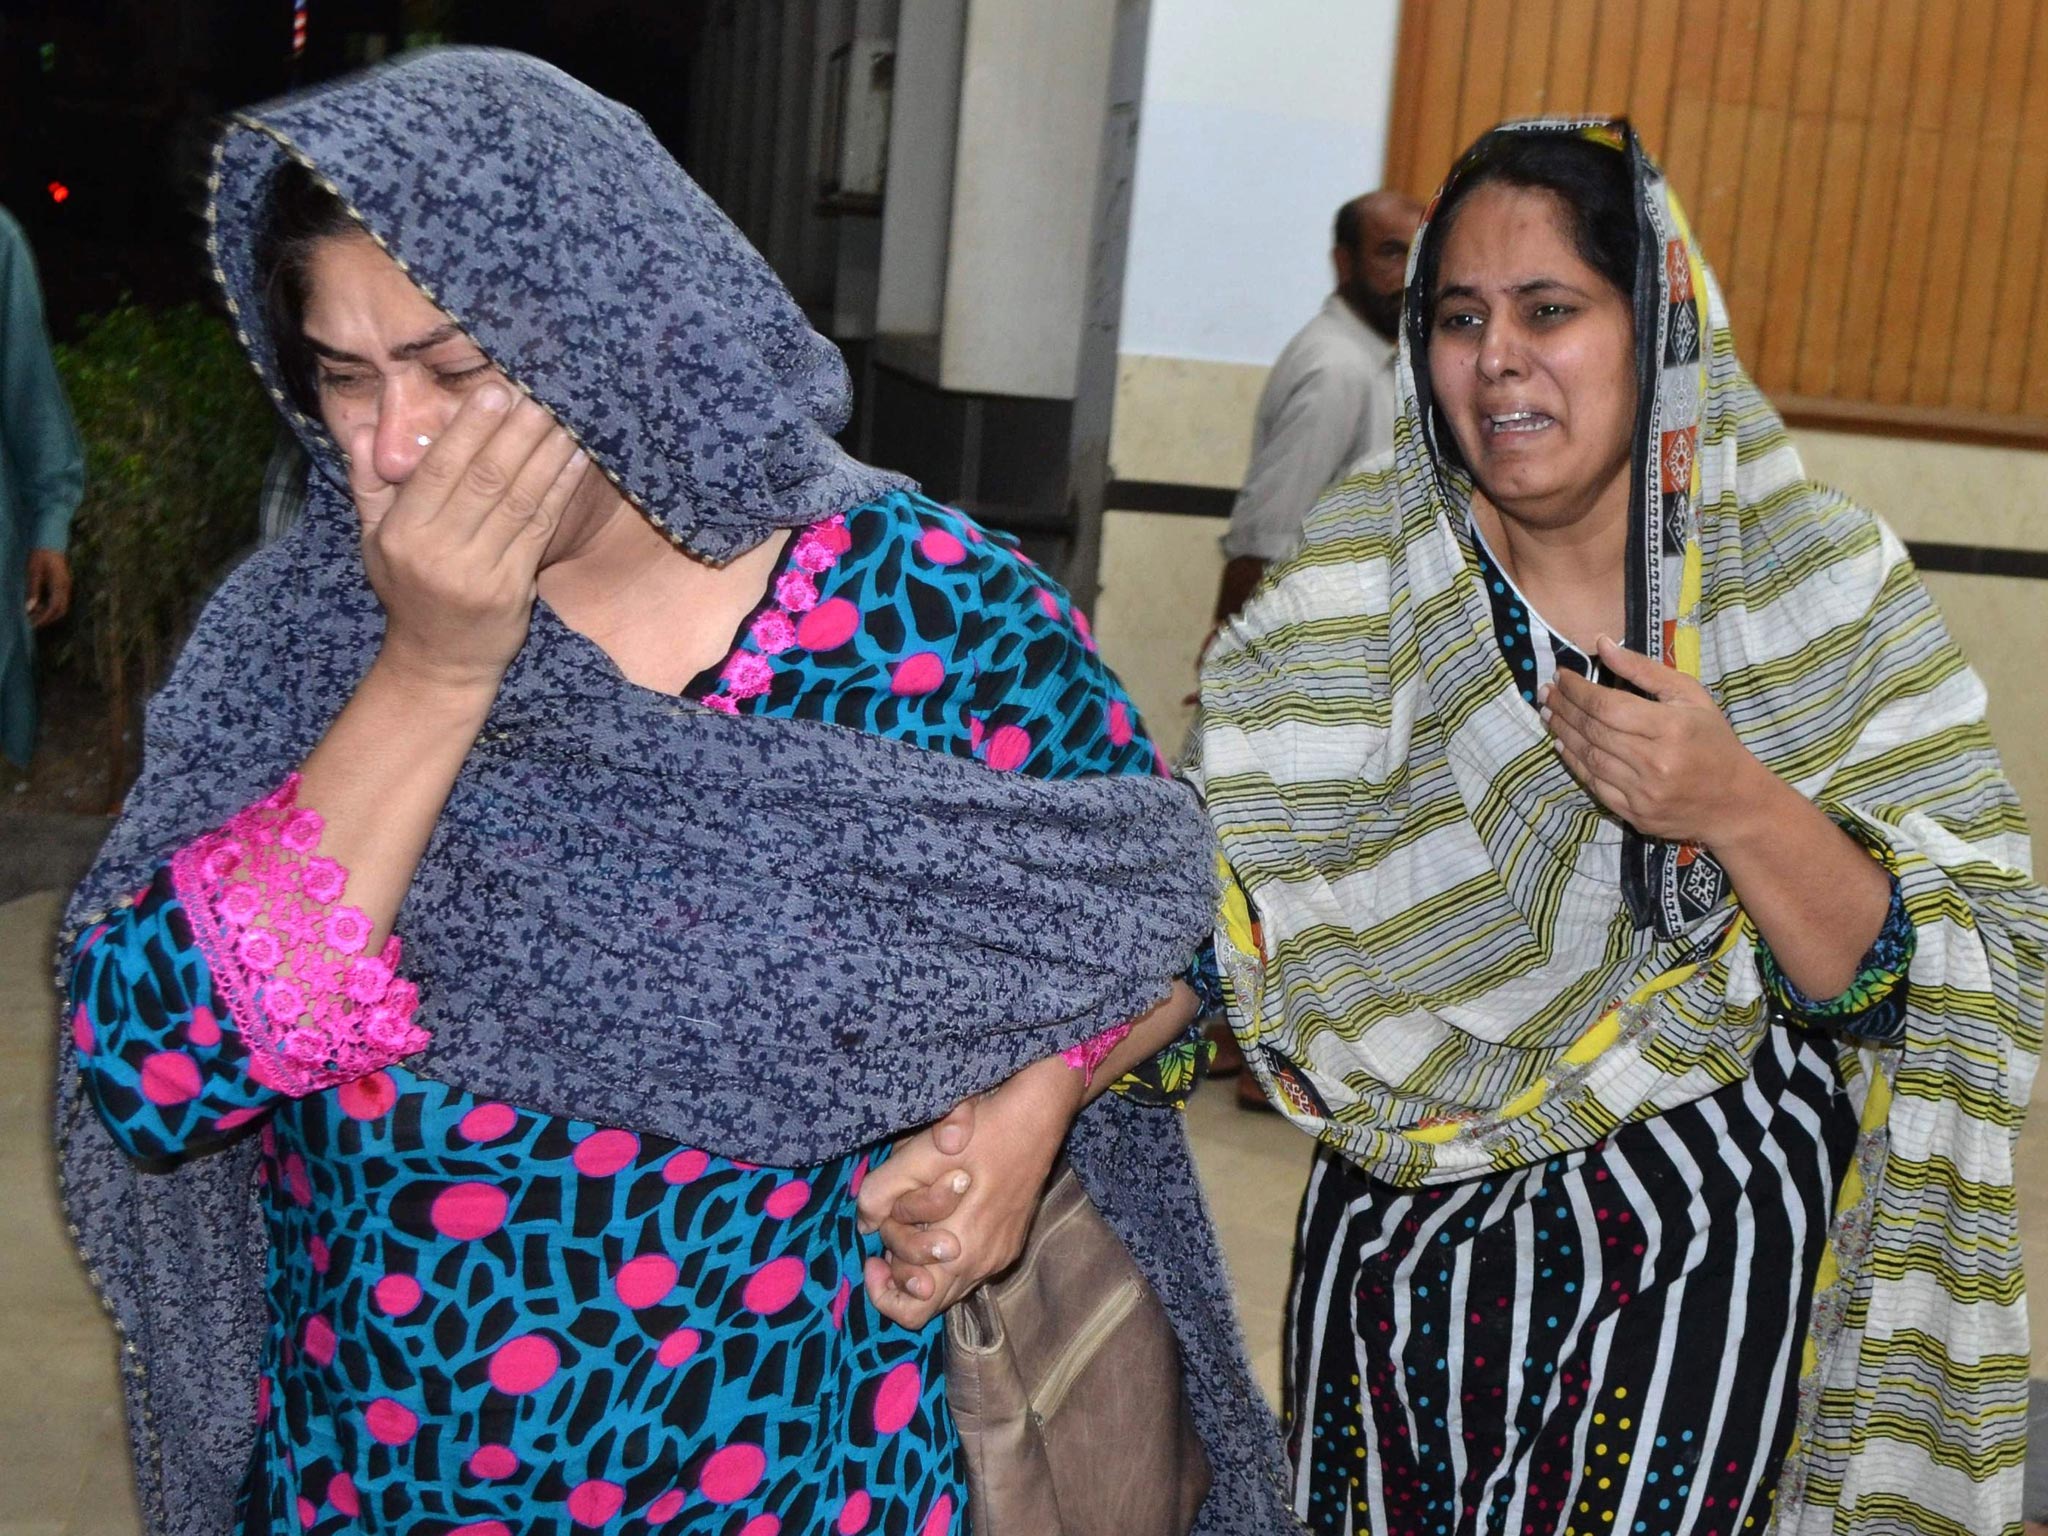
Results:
1381 311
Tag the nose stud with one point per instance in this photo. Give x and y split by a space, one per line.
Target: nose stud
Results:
424 441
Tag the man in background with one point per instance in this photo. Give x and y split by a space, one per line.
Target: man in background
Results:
1329 400
1328 403
42 477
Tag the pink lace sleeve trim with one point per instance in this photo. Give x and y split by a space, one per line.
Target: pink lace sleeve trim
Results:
312 1008
1090 1054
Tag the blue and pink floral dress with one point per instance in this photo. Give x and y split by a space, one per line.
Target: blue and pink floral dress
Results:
485 1319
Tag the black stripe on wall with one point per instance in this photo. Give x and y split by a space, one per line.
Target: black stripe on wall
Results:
1163 496
1980 560
1216 501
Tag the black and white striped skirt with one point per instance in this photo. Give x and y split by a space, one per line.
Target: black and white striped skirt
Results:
1609 1342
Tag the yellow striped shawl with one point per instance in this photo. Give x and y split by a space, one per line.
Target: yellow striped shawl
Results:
1431 968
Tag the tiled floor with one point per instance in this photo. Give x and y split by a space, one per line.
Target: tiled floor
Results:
1253 1168
63 1471
63 1465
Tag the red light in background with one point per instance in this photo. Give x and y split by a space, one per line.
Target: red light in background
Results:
59 192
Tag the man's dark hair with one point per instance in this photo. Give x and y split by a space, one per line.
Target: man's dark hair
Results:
302 214
1349 218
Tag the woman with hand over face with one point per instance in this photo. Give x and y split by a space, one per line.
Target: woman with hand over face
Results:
569 861
1629 897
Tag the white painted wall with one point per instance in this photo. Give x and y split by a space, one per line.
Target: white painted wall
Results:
1258 120
1034 89
917 208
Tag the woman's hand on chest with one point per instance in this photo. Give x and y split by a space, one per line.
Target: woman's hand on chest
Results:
1669 764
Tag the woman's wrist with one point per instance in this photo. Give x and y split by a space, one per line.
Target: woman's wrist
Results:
453 696
1814 894
382 773
1054 1085
1143 1038
1759 810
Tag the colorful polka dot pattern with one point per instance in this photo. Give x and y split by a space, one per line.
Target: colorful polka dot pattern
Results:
491 1319
906 618
1533 651
1604 1344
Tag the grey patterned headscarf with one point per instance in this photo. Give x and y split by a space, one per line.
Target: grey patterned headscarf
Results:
799 939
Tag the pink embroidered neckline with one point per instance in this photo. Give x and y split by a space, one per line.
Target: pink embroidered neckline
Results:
748 674
288 958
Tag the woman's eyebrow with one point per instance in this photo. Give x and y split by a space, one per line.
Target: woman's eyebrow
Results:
1545 284
405 351
1517 290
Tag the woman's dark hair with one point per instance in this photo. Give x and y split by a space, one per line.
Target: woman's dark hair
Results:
302 214
1594 182
1591 180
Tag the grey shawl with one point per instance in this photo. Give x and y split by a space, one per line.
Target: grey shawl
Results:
799 939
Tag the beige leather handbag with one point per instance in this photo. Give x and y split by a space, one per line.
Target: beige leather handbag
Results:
1064 1379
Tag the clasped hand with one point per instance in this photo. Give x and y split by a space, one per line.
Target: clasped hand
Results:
954 1202
1670 765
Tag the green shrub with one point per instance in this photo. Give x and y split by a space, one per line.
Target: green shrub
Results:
176 432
